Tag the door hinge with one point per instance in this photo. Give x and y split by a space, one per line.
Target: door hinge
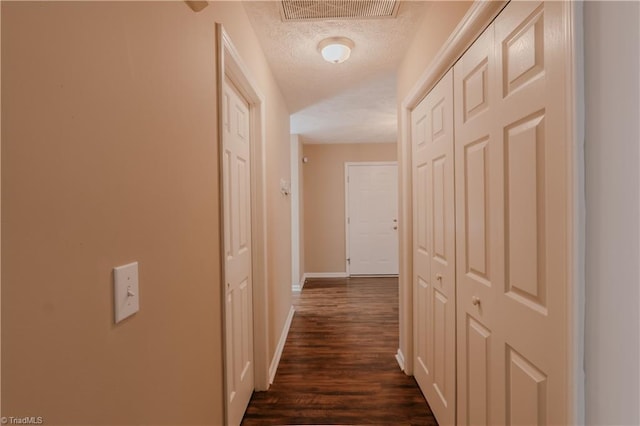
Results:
349 260
348 221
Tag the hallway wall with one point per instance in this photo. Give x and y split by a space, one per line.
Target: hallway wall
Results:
109 156
278 152
612 149
439 21
324 208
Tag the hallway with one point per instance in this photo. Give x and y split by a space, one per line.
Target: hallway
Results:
113 154
338 365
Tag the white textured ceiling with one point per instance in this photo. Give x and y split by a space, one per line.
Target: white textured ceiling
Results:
337 103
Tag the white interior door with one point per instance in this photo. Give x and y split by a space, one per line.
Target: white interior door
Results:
512 231
237 253
434 250
372 224
477 236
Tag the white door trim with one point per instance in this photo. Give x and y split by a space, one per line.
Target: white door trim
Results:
295 214
478 17
577 205
0 250
230 64
346 200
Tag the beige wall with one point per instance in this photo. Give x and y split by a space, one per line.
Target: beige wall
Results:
612 179
109 156
278 153
439 20
324 208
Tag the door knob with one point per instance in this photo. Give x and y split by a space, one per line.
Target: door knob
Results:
395 227
395 220
475 301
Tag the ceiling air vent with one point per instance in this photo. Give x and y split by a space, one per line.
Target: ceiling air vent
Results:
315 10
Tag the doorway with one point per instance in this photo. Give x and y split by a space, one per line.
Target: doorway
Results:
371 191
234 81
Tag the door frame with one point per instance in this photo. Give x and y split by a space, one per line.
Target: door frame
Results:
296 284
347 164
475 21
0 235
229 63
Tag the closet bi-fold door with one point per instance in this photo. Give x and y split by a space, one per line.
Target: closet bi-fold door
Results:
477 226
511 221
434 249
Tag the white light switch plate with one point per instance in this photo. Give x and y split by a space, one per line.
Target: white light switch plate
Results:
285 187
125 290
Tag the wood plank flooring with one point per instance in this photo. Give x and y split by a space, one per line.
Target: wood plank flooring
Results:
338 365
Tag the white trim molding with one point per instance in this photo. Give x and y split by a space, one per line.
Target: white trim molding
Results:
577 207
295 212
325 275
400 359
308 275
300 285
275 362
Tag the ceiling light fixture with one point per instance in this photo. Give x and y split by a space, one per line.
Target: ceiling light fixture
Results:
336 49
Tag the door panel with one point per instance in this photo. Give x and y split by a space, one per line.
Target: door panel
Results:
477 233
421 246
524 225
422 332
440 345
478 365
526 391
476 198
439 213
434 249
523 45
372 218
237 249
422 220
531 120
511 192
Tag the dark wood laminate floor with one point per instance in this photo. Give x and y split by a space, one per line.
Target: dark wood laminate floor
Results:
338 365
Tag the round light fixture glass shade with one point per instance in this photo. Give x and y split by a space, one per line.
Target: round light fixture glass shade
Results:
336 49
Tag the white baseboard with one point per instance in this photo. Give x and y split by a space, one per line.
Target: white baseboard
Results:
308 275
283 339
299 286
374 275
326 275
400 359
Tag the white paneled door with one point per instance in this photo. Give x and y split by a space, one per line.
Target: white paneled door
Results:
511 201
372 212
434 250
237 253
